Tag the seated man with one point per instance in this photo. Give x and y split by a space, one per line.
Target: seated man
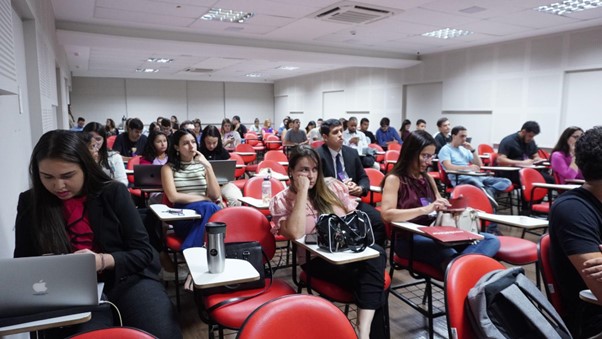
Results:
343 162
296 135
355 139
132 142
458 155
442 138
575 238
386 135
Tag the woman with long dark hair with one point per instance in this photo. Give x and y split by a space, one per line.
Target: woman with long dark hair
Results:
562 159
111 162
410 194
295 212
404 131
230 138
75 207
110 127
155 150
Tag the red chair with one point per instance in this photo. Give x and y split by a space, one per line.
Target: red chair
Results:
239 172
532 194
462 274
317 143
543 154
552 288
111 142
391 158
135 160
273 165
114 332
255 227
394 147
483 149
252 139
376 177
272 142
378 157
276 156
249 156
444 179
280 318
253 189
513 250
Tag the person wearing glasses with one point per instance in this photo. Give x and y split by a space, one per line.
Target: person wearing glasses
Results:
111 162
563 161
410 194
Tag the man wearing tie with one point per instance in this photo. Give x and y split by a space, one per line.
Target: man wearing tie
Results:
343 162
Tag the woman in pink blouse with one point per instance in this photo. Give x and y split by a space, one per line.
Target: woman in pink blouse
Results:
295 212
562 159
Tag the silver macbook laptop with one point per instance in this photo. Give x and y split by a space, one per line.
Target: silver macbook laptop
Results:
147 176
224 170
47 283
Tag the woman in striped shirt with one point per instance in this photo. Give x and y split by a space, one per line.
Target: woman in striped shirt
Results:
189 182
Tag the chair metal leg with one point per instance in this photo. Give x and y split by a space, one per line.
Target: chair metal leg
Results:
177 281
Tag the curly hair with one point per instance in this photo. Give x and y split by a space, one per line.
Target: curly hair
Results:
588 154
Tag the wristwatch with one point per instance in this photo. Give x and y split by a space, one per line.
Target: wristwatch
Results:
472 150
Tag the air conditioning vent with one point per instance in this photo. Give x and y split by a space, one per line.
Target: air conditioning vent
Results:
354 13
198 70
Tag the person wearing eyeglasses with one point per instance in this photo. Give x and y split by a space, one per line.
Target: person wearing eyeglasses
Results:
111 162
410 194
562 160
459 155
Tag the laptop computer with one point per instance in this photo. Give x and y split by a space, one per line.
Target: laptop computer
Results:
224 170
35 288
147 176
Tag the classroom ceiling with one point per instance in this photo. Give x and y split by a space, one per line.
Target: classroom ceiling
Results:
114 38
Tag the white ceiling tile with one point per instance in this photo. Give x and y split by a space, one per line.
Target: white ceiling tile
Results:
534 19
421 16
146 6
139 17
217 63
493 28
292 10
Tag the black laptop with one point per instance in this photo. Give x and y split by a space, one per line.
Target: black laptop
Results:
224 170
147 176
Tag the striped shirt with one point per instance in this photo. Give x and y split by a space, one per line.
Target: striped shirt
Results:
190 179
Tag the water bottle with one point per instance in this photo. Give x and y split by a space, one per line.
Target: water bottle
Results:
266 188
216 250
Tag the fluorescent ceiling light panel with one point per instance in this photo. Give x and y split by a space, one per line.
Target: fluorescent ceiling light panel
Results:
287 68
447 33
147 70
228 15
160 60
253 75
569 6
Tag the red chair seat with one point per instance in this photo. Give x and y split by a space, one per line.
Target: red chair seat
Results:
233 317
420 268
334 291
435 175
543 208
173 242
240 183
135 192
251 168
516 251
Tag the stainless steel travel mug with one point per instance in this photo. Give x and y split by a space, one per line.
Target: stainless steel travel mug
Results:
216 251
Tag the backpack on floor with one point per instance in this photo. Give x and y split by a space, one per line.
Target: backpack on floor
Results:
506 304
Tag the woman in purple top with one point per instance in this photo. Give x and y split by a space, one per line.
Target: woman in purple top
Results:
563 156
410 194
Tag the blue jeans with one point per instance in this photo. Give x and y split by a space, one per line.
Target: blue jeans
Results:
430 252
193 231
492 185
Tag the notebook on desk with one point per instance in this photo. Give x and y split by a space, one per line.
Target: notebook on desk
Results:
224 170
147 176
37 288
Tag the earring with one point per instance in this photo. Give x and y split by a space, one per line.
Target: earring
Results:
178 153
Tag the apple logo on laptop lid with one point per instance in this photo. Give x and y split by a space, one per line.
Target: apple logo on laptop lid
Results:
40 287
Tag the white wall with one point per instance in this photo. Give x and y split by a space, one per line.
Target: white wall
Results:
96 99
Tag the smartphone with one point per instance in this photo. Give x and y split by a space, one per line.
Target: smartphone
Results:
311 238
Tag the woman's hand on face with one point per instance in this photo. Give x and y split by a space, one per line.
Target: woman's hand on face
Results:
200 158
301 183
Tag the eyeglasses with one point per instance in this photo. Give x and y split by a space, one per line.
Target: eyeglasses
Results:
426 156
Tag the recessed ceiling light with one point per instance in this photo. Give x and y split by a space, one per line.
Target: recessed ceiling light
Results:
287 68
569 6
160 60
447 33
147 70
219 14
253 75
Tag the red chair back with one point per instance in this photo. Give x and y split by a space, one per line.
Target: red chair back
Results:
462 274
529 176
376 177
377 157
279 318
245 223
271 145
317 143
251 138
246 148
390 155
239 171
115 332
543 260
275 156
443 176
135 160
473 196
543 154
276 167
111 142
394 147
253 187
483 149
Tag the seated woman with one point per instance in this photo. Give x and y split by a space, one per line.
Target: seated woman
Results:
74 207
267 127
230 138
110 162
410 194
213 149
189 182
155 150
562 159
256 128
295 212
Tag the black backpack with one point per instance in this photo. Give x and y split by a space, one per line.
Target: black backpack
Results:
506 304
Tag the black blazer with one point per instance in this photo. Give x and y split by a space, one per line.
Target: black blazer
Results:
353 166
117 228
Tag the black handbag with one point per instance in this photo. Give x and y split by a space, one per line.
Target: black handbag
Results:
250 251
352 231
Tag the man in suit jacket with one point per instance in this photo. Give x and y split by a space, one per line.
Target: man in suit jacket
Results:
350 171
